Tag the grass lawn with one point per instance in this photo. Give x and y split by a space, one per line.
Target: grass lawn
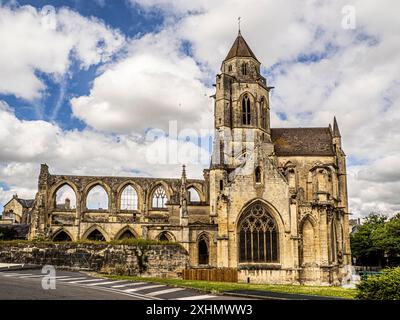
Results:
219 287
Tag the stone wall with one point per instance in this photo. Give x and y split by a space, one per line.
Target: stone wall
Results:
152 261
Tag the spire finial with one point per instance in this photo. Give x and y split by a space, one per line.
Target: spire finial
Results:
239 20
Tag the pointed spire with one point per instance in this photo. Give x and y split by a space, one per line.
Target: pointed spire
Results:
336 131
240 48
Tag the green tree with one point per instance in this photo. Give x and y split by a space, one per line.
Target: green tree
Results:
388 238
365 246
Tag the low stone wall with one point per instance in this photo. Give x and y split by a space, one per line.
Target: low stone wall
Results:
152 261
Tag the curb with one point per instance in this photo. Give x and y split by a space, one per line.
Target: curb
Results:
15 267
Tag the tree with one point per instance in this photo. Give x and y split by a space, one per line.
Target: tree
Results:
388 239
377 241
364 245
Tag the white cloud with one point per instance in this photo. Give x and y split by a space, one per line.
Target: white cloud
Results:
154 84
354 75
34 41
26 144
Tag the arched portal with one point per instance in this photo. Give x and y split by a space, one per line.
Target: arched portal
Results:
258 235
62 236
203 248
127 234
96 235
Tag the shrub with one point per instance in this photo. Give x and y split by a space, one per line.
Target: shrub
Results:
385 286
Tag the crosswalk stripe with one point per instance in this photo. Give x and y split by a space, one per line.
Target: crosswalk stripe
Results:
158 293
31 276
144 288
70 279
87 280
17 274
128 284
107 282
196 297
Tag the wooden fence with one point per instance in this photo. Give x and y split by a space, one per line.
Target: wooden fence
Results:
211 274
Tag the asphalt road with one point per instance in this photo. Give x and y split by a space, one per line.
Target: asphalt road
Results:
27 285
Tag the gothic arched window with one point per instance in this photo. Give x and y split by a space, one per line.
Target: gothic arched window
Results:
97 198
129 198
65 198
193 195
159 198
246 110
258 236
244 68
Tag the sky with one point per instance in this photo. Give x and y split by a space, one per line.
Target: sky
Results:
101 87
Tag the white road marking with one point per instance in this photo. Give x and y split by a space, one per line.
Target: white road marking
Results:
87 280
128 284
107 282
17 274
70 279
158 293
196 297
32 276
144 288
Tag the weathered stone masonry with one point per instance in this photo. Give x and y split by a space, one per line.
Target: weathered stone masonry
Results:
273 203
158 260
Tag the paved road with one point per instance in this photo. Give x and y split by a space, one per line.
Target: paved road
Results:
27 284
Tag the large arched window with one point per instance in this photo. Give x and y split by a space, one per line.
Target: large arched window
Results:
129 198
258 236
193 195
246 110
65 198
159 198
97 199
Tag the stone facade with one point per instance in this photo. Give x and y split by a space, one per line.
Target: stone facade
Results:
17 211
273 203
155 260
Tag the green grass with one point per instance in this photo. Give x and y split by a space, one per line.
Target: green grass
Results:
219 287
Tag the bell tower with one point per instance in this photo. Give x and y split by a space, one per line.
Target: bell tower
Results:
242 113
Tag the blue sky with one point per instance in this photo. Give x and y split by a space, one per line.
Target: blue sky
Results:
81 94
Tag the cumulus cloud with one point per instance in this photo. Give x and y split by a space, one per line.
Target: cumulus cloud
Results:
319 69
45 41
85 152
154 84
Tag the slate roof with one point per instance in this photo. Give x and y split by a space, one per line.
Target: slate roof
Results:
302 141
26 203
240 48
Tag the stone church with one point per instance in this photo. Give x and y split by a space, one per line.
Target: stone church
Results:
273 203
